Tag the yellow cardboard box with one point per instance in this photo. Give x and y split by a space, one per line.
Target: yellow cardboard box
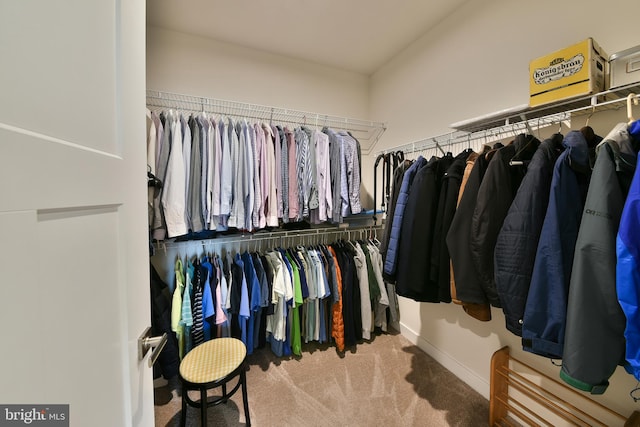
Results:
570 72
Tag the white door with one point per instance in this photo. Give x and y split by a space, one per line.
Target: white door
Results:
74 286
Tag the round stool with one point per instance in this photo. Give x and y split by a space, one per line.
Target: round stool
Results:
210 365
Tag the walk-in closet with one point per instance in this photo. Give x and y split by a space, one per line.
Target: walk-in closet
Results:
320 213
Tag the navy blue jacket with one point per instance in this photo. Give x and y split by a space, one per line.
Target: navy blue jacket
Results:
516 245
545 311
389 271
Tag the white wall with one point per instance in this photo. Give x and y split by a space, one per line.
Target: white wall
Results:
476 62
193 65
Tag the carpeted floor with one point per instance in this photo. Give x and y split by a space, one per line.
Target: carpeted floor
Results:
386 382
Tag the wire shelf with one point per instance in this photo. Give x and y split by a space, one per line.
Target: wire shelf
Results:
607 100
510 122
367 132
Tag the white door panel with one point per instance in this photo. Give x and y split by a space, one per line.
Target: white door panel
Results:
57 65
73 229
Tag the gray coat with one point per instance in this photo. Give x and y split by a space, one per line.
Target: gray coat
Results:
594 340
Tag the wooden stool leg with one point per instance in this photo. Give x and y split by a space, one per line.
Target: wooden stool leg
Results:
243 379
224 392
203 406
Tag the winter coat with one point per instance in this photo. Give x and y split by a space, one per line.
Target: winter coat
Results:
440 260
389 271
628 275
467 281
471 161
398 175
169 360
497 190
418 223
545 311
516 245
594 339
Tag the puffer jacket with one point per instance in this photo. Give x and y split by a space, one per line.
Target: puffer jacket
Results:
389 272
545 312
497 190
595 320
517 241
398 175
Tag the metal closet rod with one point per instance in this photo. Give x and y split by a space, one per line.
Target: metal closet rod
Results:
256 111
453 138
281 236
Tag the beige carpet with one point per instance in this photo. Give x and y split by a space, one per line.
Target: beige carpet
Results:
387 382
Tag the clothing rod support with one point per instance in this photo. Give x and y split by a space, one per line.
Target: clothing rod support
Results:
281 236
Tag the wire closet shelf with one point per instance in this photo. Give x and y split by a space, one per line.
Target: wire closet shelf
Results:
496 126
367 132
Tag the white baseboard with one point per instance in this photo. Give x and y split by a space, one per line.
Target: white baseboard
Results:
458 369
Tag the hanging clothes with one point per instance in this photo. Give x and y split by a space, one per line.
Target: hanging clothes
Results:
628 274
449 191
544 320
467 282
497 190
413 279
517 241
594 317
390 263
471 160
398 175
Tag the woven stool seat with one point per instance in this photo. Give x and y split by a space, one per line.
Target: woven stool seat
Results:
210 365
212 360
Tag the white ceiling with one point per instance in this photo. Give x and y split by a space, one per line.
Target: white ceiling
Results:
353 35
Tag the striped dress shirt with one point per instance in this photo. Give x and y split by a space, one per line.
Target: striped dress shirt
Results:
285 174
294 204
216 176
323 178
271 200
258 148
226 174
313 162
278 169
303 171
350 181
335 156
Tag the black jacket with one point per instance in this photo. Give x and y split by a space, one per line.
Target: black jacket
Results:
467 281
497 190
440 260
416 235
515 250
168 361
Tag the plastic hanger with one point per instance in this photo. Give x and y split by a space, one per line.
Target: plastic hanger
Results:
152 180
